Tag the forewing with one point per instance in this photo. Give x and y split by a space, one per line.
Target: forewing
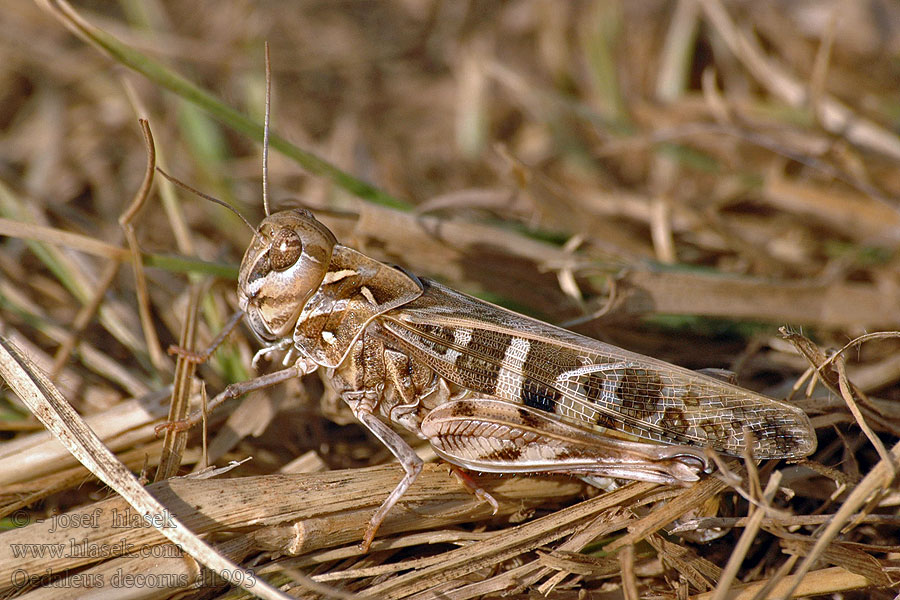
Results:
587 383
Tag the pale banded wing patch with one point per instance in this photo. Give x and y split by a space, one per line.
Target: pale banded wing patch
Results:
588 383
512 367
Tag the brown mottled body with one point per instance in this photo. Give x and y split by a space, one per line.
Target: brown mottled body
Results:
490 389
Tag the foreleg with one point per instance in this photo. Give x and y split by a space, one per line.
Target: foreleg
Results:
301 367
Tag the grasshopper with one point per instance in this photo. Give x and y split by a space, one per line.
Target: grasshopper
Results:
491 390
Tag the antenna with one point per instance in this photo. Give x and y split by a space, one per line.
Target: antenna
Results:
207 197
265 156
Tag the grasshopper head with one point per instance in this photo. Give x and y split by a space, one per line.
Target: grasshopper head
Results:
282 268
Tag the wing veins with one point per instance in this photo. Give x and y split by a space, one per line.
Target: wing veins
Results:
605 409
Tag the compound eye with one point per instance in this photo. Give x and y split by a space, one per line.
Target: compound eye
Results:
286 250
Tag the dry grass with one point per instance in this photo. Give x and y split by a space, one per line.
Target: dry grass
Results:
679 178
